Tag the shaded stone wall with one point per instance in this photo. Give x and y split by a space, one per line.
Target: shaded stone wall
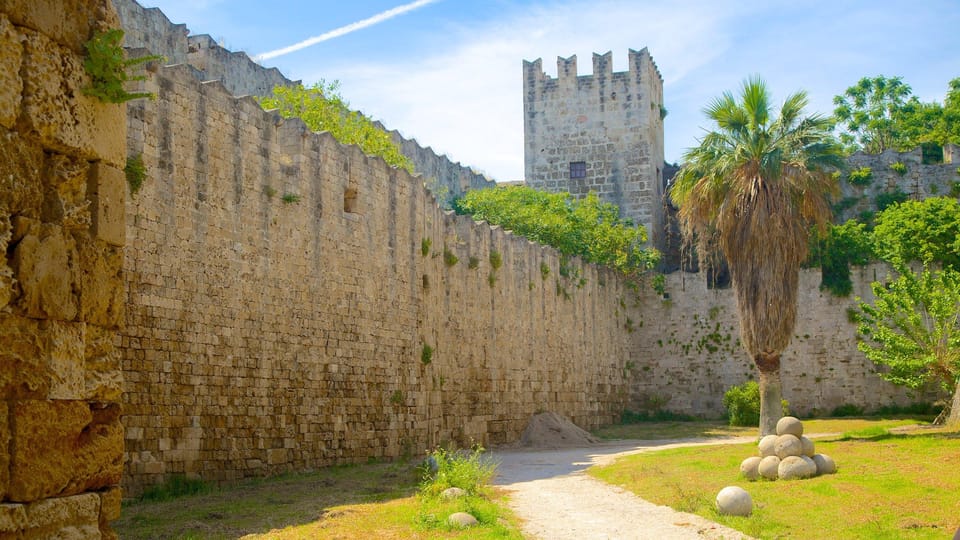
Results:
293 304
687 351
62 192
610 121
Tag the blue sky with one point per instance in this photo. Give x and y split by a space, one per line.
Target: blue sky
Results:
448 73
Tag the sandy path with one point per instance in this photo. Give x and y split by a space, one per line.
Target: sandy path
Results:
558 501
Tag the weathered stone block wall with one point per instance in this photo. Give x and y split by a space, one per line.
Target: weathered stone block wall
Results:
610 121
150 29
62 192
687 351
285 293
920 181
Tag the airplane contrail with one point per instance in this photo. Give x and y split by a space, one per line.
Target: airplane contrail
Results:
344 30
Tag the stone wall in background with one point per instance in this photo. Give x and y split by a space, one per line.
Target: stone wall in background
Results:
919 180
687 353
62 192
150 29
294 304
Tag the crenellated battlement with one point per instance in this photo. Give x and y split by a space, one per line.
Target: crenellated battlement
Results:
608 125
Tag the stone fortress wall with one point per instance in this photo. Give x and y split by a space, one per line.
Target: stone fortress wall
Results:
281 314
62 194
919 181
150 29
610 121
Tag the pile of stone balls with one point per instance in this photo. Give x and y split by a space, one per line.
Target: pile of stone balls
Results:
788 455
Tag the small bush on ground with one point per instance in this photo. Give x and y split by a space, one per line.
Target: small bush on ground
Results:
742 403
847 409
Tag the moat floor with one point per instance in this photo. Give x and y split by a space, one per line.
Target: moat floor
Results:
556 500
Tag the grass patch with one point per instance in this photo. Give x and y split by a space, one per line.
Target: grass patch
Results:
377 500
889 485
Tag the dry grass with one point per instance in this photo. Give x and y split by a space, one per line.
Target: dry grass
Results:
901 485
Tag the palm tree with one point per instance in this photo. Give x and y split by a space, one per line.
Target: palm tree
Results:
754 188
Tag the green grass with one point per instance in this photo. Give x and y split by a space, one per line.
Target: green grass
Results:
655 431
378 500
889 485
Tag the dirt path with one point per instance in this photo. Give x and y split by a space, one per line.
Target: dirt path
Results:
558 501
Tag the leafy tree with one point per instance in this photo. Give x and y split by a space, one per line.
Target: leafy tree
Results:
923 231
587 227
868 112
913 326
755 186
836 249
933 123
323 109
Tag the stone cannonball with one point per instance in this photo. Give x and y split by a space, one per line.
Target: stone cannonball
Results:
788 445
766 446
734 501
825 464
807 445
768 467
749 468
793 468
789 425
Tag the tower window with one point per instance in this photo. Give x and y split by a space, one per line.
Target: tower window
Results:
578 169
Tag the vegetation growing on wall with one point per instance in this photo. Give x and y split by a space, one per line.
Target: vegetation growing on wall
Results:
323 109
108 66
587 228
135 172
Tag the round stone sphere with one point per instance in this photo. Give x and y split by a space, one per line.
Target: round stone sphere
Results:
749 468
824 463
788 445
768 467
766 446
734 501
793 468
807 446
789 425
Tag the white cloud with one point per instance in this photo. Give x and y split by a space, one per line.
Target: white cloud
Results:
466 101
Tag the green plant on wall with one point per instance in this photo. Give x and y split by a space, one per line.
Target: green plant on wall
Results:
473 263
135 172
496 261
899 167
544 270
426 354
449 258
889 198
425 246
107 65
290 198
860 177
269 191
396 398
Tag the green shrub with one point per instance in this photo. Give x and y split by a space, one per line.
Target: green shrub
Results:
467 470
426 354
921 408
425 246
742 403
955 187
135 172
107 65
290 198
496 261
449 258
847 409
899 167
860 177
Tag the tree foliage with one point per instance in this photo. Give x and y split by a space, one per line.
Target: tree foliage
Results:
880 113
587 227
108 67
835 249
913 327
925 231
323 109
754 187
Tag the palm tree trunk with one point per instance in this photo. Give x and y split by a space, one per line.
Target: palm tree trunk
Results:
954 419
771 392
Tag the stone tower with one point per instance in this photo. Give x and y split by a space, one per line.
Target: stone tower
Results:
600 132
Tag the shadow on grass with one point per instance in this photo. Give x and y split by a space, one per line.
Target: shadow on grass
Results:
257 506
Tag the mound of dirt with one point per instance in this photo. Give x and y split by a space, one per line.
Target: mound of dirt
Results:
551 430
